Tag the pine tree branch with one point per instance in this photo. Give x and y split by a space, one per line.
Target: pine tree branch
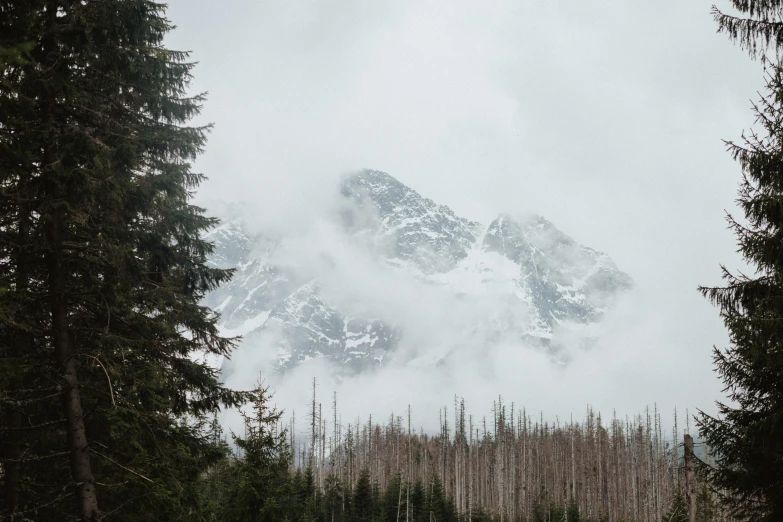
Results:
121 466
108 379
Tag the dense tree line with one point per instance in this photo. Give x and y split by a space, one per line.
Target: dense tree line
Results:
506 467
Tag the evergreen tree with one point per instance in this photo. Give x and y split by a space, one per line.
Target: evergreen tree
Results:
260 477
298 494
377 505
556 512
678 510
439 507
211 489
418 501
706 507
481 515
391 500
541 508
757 27
572 511
104 406
363 504
747 438
347 499
333 499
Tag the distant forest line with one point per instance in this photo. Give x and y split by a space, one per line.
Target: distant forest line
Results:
509 465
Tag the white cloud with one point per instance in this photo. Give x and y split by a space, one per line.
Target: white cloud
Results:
605 117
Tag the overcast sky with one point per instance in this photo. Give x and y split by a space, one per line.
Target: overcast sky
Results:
606 117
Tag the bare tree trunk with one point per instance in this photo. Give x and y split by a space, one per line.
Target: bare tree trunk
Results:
690 479
621 473
410 465
399 499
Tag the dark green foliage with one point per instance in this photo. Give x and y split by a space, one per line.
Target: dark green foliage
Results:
393 499
103 267
746 439
706 505
758 28
545 510
678 510
363 503
418 500
255 487
482 516
572 511
334 499
439 507
540 510
706 508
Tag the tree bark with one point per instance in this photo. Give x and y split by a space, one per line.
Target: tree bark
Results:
81 470
690 479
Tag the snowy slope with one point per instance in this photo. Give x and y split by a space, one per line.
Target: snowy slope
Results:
537 277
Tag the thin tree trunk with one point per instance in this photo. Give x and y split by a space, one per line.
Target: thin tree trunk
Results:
81 470
690 479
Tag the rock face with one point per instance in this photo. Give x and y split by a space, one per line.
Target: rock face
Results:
541 277
566 281
429 236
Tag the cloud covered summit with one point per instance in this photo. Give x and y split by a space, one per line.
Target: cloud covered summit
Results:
517 281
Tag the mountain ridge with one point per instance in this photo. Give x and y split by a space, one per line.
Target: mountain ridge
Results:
537 277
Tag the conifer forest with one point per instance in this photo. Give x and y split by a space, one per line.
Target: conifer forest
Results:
508 466
132 307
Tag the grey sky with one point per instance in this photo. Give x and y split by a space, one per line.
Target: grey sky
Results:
606 117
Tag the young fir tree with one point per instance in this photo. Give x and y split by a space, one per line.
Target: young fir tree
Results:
333 499
706 505
678 509
438 506
573 513
418 501
392 500
259 479
746 438
104 407
363 504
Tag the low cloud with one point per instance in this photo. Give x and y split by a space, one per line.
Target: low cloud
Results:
642 353
600 116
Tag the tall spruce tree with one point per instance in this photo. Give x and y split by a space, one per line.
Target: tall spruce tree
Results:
103 267
747 437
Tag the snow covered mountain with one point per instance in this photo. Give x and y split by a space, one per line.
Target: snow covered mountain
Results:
537 278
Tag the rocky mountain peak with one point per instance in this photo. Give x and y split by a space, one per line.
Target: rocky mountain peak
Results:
430 236
522 261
